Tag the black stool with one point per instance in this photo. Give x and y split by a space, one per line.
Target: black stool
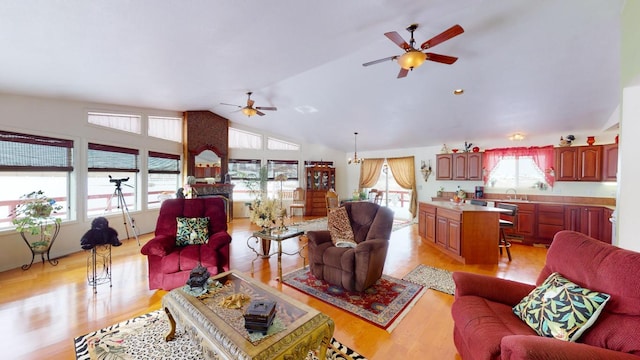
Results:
506 224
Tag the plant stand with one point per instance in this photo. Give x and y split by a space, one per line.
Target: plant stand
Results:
99 266
43 249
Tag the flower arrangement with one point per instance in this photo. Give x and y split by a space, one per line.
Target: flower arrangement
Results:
264 212
33 216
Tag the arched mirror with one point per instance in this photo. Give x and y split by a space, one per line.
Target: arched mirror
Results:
208 166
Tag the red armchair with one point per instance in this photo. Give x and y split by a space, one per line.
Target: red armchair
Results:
170 264
486 328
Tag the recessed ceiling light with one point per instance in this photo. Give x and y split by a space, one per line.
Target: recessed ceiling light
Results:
458 91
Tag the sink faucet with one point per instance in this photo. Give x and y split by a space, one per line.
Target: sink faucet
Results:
515 194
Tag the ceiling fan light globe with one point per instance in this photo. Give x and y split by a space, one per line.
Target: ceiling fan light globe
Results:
411 59
249 111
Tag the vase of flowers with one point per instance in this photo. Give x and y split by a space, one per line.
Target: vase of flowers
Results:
264 212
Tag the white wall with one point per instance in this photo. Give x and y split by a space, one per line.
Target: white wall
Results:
68 120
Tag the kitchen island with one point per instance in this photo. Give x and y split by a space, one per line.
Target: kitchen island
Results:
468 233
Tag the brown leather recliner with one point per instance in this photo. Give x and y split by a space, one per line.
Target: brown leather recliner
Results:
355 269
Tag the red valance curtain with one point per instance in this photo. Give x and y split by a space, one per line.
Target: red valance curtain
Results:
543 157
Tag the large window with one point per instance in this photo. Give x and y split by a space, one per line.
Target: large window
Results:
124 122
519 167
31 163
164 177
282 178
245 175
168 128
112 171
277 144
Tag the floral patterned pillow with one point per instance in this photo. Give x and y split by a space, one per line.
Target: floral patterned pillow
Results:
340 228
192 231
561 309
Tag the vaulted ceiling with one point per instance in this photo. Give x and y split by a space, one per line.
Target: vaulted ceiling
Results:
536 67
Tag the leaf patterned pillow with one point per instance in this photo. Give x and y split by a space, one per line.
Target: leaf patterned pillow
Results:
340 228
192 231
561 309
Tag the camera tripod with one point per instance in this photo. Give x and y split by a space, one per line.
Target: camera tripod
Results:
122 205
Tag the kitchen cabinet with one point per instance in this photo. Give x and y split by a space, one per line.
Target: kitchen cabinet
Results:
320 178
610 162
427 222
448 231
467 233
580 163
459 166
444 167
525 221
585 219
550 221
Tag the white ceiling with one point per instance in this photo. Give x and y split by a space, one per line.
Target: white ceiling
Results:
537 67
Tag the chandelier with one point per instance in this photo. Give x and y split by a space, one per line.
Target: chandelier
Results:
355 159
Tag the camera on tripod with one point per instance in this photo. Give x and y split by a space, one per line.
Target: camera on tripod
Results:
118 181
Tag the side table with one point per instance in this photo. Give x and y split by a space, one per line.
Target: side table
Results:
99 266
264 238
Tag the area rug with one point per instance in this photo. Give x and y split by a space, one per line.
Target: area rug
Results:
143 338
433 278
321 224
384 304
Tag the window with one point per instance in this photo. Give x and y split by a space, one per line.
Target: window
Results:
30 163
275 144
240 139
164 177
112 171
519 167
168 128
277 170
245 175
124 122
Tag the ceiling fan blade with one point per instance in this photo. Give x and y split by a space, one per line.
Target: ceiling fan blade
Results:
380 60
396 38
445 59
259 113
231 105
270 108
455 30
402 73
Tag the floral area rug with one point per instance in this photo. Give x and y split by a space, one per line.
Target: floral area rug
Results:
432 278
384 304
143 338
321 224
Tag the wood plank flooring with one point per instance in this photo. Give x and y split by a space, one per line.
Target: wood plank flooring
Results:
42 309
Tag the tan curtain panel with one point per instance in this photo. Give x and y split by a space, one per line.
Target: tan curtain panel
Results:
403 170
370 172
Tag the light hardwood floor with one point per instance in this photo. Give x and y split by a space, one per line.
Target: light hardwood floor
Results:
42 309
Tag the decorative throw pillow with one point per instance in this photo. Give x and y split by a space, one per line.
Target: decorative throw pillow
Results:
340 228
561 309
192 231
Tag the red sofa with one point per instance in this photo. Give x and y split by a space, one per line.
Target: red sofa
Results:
486 328
169 264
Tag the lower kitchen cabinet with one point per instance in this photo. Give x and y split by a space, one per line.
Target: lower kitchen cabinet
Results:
550 221
448 231
585 219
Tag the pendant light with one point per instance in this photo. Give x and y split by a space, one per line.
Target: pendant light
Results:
355 159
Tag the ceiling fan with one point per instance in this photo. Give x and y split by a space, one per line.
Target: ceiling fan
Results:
413 58
249 110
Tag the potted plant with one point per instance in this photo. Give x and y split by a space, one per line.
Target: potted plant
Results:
33 216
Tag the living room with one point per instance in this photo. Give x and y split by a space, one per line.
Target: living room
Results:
67 118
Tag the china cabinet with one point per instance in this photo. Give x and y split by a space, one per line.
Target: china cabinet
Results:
320 178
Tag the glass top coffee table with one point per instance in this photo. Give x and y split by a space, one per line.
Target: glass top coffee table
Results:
296 329
264 239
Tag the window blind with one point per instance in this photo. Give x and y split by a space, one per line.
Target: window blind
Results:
112 158
25 152
161 163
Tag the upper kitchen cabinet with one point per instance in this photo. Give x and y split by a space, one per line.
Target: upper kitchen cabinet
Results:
581 163
610 162
459 166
